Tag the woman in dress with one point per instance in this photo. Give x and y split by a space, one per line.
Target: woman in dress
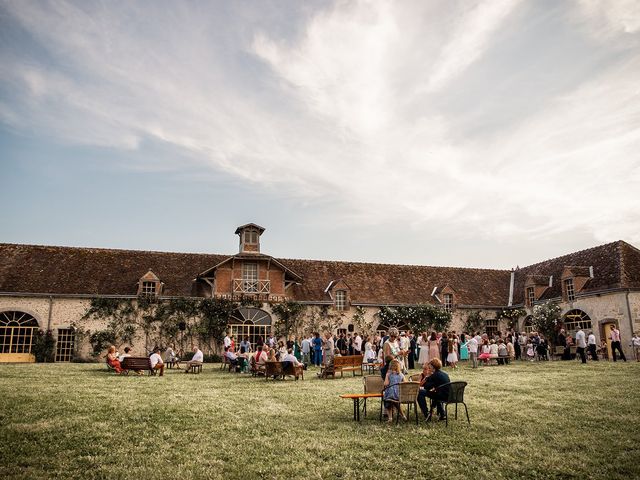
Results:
112 359
392 389
464 349
369 352
434 349
452 346
423 342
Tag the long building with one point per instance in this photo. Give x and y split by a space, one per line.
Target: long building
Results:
51 288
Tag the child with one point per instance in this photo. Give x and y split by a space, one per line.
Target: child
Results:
392 389
530 351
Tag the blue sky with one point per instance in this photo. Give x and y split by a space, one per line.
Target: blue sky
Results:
469 133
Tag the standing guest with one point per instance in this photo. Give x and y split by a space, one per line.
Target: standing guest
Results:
271 341
245 345
581 345
391 347
428 390
522 342
156 361
282 350
531 351
112 359
635 343
452 356
592 346
233 343
341 344
562 342
511 351
444 349
392 389
472 345
296 349
502 352
349 344
423 343
197 359
616 345
306 351
412 351
317 350
227 340
369 352
357 345
259 341
434 347
404 348
328 348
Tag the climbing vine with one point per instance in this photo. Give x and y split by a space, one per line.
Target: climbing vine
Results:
419 318
289 316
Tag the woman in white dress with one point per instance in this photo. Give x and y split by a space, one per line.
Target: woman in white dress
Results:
423 342
369 352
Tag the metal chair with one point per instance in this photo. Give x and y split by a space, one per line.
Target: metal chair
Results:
408 395
456 396
372 384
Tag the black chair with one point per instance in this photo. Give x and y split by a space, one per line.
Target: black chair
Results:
456 396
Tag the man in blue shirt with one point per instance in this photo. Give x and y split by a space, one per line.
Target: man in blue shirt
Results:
428 390
317 350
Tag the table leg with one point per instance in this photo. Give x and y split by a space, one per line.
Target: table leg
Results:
358 408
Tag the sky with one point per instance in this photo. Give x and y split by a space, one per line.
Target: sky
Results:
488 134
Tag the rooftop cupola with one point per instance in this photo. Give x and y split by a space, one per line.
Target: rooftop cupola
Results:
249 237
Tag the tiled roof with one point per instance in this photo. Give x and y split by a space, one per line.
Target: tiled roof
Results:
400 284
97 271
67 270
608 272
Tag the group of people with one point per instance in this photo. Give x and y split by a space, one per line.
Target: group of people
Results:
157 364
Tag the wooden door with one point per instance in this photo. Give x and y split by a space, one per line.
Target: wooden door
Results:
606 332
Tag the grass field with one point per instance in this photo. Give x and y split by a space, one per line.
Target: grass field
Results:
546 420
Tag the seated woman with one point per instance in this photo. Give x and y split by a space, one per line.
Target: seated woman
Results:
112 360
369 353
485 352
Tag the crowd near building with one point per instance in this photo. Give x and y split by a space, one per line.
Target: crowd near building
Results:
49 288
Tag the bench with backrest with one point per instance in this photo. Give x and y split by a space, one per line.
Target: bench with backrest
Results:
282 369
137 363
351 363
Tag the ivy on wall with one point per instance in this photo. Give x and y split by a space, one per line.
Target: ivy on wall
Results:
546 319
288 317
419 318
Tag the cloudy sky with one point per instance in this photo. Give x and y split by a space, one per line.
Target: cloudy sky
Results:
466 133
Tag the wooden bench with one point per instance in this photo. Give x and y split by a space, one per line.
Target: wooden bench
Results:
351 363
137 363
277 370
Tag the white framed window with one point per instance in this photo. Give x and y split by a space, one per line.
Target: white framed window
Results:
448 302
64 344
341 300
250 276
575 320
568 285
251 236
531 295
148 289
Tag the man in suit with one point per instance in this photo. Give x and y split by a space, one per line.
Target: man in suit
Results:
428 390
412 351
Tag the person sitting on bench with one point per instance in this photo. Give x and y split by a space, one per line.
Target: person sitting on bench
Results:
156 361
197 359
290 358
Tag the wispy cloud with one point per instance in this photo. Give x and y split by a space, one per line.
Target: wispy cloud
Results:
354 109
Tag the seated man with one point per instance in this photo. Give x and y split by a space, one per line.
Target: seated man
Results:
430 384
197 359
232 358
290 357
125 354
171 357
156 361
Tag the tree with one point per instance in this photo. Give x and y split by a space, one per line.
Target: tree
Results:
546 319
288 316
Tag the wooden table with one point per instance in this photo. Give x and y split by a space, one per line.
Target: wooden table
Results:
371 367
356 401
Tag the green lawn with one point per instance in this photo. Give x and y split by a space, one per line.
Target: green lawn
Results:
546 420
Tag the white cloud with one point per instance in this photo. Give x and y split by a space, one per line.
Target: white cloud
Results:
339 113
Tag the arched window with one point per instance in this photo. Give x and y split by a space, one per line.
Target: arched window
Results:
250 322
528 324
575 320
383 328
16 332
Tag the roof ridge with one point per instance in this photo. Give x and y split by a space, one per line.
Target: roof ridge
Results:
391 264
103 249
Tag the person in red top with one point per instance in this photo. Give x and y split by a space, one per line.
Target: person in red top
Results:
112 359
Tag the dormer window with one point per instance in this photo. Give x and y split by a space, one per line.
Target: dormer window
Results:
149 285
148 289
448 302
250 237
341 300
531 296
569 290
